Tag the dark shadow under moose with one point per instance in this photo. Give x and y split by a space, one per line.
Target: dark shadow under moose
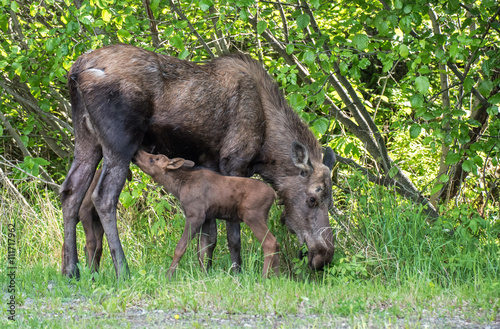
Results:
227 115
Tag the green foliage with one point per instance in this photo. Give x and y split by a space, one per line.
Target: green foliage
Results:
393 61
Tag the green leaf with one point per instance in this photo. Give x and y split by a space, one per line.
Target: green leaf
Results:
316 3
4 23
343 68
393 172
106 15
177 42
473 226
486 67
309 57
321 125
123 35
361 41
289 48
495 99
422 84
181 24
452 158
303 21
468 165
14 6
415 130
261 26
403 50
444 178
468 84
206 4
416 100
485 88
184 53
436 188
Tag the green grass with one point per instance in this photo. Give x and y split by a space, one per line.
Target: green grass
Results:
391 269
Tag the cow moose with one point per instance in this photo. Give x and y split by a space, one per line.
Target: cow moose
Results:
204 194
227 115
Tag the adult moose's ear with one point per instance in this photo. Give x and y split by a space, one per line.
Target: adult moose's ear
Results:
329 158
300 156
176 163
188 163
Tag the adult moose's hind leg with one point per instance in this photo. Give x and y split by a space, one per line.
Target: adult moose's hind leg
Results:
87 156
105 199
121 120
207 242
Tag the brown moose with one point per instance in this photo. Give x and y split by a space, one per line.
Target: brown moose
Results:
227 115
204 194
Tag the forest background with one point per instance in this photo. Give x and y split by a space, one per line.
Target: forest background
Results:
406 93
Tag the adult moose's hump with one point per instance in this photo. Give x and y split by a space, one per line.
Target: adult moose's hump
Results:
227 115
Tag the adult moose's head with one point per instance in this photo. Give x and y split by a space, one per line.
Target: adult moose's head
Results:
227 114
307 197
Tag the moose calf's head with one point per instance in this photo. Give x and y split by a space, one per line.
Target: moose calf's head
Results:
156 165
307 197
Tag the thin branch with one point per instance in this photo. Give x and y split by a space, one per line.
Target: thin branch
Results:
55 187
26 153
191 27
152 24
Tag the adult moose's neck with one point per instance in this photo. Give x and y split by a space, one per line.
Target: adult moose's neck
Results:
283 129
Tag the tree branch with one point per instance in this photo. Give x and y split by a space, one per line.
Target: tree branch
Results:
191 27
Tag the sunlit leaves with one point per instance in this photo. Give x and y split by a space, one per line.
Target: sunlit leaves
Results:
302 21
415 130
360 41
321 125
452 158
261 26
422 84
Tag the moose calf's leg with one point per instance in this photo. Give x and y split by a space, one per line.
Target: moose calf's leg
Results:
207 242
99 234
192 227
269 243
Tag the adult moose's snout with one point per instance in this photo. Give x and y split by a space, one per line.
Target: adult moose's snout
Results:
321 249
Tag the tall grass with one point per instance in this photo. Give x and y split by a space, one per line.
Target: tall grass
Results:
389 261
379 236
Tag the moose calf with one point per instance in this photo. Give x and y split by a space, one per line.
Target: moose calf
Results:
205 195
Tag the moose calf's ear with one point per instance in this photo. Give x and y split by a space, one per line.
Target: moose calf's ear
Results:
329 158
176 163
300 156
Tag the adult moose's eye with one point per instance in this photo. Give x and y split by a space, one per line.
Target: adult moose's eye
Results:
311 201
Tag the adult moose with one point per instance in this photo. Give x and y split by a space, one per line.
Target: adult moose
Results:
227 115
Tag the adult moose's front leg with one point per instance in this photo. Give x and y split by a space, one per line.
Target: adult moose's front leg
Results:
234 243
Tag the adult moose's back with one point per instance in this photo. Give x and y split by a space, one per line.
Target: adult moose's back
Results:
227 115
